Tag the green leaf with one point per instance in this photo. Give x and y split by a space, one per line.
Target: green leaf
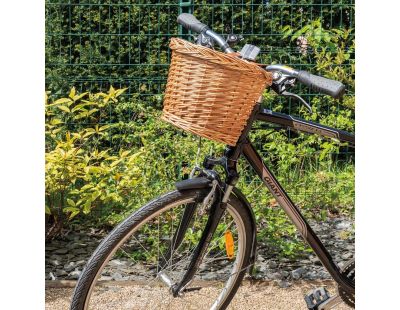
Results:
70 209
287 31
114 163
125 153
70 202
72 93
111 91
95 194
87 186
56 121
77 97
78 107
80 115
86 206
56 131
47 210
120 92
61 101
317 35
87 134
298 33
104 127
94 169
89 102
64 108
74 213
90 112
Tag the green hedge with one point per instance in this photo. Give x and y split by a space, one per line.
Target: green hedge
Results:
90 181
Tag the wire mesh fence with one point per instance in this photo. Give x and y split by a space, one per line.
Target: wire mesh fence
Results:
92 44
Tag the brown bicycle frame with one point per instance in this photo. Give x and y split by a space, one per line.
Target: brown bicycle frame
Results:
245 147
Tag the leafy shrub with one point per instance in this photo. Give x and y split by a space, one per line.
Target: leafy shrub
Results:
94 182
84 171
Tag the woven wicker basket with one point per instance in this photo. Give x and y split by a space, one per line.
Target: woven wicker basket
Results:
210 93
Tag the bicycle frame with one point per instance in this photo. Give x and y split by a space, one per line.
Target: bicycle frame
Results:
244 147
270 181
295 215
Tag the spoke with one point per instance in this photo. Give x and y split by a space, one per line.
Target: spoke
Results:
173 267
216 241
128 254
155 233
171 238
182 242
158 250
143 247
173 245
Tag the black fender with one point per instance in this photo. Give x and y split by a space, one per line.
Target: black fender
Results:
239 195
203 182
200 182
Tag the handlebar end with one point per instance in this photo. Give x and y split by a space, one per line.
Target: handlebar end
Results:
191 23
333 88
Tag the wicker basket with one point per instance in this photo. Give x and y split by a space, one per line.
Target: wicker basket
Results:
210 93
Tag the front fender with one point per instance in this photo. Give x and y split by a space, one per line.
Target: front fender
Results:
200 182
250 212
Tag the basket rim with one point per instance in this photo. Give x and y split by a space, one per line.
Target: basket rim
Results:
178 45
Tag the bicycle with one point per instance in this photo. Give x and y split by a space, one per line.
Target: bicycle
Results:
173 243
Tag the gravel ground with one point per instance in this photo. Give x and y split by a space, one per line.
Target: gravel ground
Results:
264 295
67 255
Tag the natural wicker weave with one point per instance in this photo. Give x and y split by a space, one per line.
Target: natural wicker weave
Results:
210 93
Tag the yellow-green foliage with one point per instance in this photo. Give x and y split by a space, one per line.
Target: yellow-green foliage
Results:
81 172
109 154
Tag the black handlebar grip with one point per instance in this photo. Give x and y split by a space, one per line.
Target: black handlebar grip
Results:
320 84
191 23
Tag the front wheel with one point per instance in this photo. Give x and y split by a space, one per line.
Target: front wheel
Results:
124 271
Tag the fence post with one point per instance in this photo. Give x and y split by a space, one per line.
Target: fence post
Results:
185 6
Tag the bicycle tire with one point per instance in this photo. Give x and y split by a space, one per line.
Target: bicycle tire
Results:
349 271
100 257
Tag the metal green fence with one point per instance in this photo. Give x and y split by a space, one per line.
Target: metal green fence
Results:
91 44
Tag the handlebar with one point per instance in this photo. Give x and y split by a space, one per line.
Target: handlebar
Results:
192 23
323 85
320 84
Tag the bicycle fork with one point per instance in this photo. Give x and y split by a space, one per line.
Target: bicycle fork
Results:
217 210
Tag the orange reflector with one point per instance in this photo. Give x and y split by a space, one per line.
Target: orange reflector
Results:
229 245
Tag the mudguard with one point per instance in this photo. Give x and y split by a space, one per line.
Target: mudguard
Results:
200 182
239 195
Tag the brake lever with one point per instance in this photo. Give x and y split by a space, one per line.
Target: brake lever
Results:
289 94
204 40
